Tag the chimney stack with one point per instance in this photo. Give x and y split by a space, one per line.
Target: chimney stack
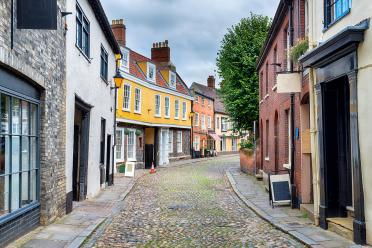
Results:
160 52
119 30
211 82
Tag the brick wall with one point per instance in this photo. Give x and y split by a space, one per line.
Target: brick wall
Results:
39 55
205 110
274 105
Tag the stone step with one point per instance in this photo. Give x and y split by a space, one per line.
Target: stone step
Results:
341 226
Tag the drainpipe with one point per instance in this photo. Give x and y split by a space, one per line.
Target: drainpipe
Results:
113 147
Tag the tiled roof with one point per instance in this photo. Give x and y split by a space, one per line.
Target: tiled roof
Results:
210 93
136 71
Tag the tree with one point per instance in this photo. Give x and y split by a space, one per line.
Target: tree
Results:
236 62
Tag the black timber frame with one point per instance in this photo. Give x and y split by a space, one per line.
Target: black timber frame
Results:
333 59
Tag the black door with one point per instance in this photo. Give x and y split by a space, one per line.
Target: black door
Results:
75 170
149 155
338 187
108 156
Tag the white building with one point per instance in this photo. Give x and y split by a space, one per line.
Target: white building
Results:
91 49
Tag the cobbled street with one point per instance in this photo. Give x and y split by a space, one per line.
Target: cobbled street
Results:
189 206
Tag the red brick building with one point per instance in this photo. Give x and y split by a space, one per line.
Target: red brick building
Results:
275 108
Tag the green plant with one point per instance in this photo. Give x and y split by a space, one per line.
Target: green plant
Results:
122 168
126 131
138 132
247 144
299 49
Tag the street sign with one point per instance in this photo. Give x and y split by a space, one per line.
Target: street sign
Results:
37 14
288 82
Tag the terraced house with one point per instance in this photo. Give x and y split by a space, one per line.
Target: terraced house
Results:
153 107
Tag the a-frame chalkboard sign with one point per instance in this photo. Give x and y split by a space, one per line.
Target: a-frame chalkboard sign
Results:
280 189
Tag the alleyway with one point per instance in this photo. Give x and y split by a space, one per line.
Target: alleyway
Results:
189 206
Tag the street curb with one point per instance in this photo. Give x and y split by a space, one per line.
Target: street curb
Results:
78 241
265 216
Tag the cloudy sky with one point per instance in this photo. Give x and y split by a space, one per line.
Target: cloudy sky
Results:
194 28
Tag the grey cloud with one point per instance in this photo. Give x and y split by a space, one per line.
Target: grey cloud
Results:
194 28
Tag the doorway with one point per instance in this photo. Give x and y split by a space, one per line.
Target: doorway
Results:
108 157
80 151
337 171
276 142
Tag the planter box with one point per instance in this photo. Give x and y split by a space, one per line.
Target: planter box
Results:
247 161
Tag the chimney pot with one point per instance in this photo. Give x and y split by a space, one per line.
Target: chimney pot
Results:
119 30
161 52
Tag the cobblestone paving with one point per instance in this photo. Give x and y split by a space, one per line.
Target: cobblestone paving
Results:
189 206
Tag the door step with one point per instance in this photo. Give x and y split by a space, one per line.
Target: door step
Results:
341 226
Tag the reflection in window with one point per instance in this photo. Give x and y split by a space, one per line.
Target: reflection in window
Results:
18 154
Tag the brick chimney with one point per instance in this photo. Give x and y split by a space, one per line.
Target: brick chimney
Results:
119 30
160 52
211 82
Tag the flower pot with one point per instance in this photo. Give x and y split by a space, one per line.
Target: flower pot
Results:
247 161
121 168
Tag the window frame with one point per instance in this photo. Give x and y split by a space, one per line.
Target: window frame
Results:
167 107
125 67
176 109
104 64
209 122
127 109
173 86
132 159
137 100
184 110
203 127
151 66
224 124
170 142
196 119
330 7
217 122
157 107
83 48
179 141
122 158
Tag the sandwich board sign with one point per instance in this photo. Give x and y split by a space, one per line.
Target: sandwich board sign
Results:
129 169
280 189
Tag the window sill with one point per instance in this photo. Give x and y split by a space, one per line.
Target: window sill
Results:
137 112
267 159
157 116
274 87
10 216
176 118
167 117
266 96
261 101
126 110
84 55
326 27
104 80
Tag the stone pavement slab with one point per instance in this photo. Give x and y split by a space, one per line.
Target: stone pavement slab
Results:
291 221
72 230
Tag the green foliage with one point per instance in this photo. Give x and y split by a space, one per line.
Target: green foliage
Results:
247 144
236 64
299 49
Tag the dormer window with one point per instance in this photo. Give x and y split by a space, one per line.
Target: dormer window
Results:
124 65
151 69
172 79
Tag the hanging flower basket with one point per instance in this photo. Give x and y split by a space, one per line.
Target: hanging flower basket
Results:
126 131
138 132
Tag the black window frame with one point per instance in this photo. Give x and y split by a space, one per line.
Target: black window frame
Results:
82 28
102 141
330 17
104 64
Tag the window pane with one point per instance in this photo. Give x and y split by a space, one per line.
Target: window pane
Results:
4 195
25 154
33 185
25 118
25 189
15 154
33 121
15 191
33 153
4 155
16 124
5 113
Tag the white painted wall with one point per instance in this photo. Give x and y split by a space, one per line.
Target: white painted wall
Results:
360 10
83 80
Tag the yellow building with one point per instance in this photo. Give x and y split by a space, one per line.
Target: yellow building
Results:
153 107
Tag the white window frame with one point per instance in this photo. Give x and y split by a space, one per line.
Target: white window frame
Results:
196 121
152 66
176 109
129 96
209 122
184 110
170 142
224 127
157 114
132 159
124 65
121 159
137 98
196 143
217 122
171 84
179 141
203 122
167 115
196 98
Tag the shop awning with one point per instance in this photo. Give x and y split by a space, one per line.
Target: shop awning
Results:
215 136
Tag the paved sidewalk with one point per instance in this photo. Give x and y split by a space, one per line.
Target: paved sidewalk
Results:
72 230
291 221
